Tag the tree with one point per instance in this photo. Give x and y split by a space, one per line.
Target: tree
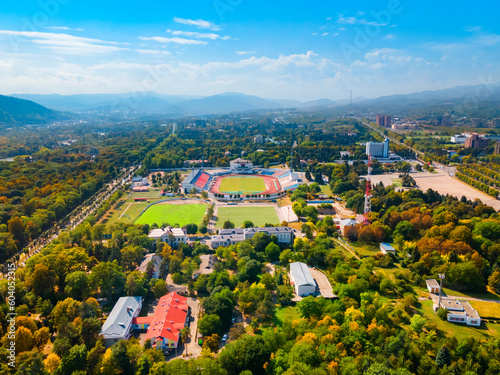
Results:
228 224
41 337
417 323
247 353
311 307
272 252
158 287
248 224
494 281
52 362
311 213
443 357
76 360
77 285
209 324
212 342
191 228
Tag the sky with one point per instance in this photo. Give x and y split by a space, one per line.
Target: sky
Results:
302 50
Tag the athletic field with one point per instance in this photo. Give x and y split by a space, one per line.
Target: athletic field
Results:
257 215
242 185
173 214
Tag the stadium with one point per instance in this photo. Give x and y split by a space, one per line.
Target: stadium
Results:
241 181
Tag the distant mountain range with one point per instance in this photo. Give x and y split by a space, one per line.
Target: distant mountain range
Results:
473 101
18 112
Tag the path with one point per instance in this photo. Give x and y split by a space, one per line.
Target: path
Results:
347 247
123 213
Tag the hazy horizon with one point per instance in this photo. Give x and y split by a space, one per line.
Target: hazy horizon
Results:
268 49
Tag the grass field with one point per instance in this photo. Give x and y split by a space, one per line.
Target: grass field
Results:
284 313
257 215
486 309
173 214
242 185
325 189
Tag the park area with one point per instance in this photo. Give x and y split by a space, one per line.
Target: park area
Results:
258 215
242 185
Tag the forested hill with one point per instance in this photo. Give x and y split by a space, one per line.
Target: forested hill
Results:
18 112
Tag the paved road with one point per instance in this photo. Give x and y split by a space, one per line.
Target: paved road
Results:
325 288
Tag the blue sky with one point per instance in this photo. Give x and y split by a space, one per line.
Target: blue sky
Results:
301 50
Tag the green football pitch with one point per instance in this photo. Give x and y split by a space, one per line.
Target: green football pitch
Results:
173 214
257 215
242 185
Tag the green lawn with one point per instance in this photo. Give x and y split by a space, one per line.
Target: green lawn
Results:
397 182
173 214
486 309
286 313
242 185
325 189
257 215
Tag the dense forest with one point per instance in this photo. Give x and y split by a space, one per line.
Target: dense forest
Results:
376 325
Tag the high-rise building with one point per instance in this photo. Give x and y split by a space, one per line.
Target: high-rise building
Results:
380 120
475 141
445 120
497 147
378 150
388 121
495 123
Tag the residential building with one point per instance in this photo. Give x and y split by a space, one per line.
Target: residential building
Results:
346 223
258 139
497 147
386 248
476 141
495 123
227 237
380 120
432 286
173 236
445 120
476 122
156 262
302 280
118 325
461 312
164 327
378 150
387 121
207 265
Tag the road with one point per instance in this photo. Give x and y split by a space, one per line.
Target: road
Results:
347 247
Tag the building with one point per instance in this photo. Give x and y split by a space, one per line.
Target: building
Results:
386 248
387 121
188 184
164 327
118 326
201 123
228 237
258 139
445 120
461 312
378 150
173 236
497 147
458 138
241 166
207 265
380 120
495 123
155 260
302 280
432 286
346 223
476 122
476 141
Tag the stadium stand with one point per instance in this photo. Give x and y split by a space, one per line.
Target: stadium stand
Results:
202 180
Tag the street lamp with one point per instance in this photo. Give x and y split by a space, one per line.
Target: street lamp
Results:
441 277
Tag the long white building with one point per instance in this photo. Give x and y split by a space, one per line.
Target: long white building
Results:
173 236
228 237
302 280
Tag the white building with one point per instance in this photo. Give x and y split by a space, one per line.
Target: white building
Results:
432 286
173 236
461 312
241 166
118 326
378 150
458 138
207 265
227 237
156 260
386 248
302 280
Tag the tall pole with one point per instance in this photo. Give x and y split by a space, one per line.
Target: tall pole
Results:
441 277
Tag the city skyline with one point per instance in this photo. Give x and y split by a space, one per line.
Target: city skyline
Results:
268 49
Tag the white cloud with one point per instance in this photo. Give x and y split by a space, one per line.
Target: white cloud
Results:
62 28
324 34
160 39
194 34
390 36
63 43
241 53
356 21
153 52
201 24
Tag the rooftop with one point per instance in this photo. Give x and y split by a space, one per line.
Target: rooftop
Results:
120 318
169 317
301 274
432 283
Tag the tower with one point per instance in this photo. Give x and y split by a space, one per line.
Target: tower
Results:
368 194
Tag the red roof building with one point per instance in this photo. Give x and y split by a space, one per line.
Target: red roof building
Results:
164 328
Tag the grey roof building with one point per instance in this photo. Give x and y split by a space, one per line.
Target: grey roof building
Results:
301 279
118 326
227 237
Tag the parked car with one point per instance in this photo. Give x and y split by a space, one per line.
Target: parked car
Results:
224 338
233 320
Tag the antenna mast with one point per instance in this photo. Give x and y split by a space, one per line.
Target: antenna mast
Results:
368 193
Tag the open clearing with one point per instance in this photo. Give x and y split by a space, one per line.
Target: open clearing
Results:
242 185
442 183
173 214
257 215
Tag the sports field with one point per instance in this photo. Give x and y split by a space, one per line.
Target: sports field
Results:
242 185
257 215
173 214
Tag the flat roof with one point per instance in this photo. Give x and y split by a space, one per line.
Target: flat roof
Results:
432 283
387 246
301 274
